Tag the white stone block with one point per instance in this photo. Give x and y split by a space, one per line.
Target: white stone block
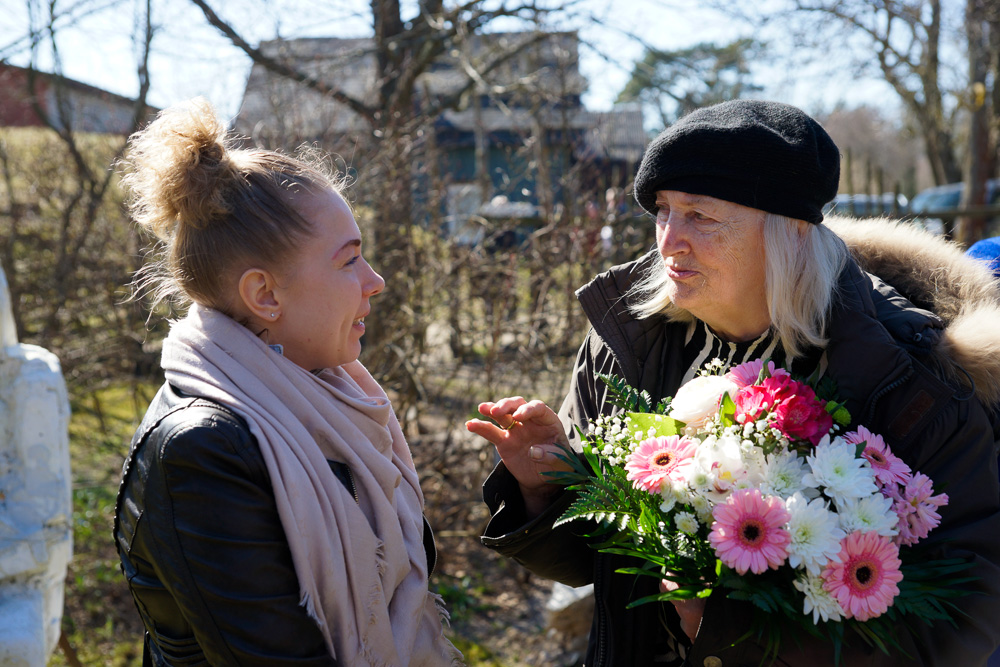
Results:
22 641
35 497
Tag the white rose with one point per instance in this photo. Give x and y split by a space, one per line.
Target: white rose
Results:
698 400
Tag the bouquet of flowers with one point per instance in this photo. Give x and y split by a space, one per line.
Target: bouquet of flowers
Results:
747 482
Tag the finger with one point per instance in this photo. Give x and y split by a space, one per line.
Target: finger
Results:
506 406
485 429
546 458
489 411
668 585
536 411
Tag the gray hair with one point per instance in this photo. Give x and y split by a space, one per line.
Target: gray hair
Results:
802 264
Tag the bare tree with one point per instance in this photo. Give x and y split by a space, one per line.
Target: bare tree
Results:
396 120
982 24
906 41
918 46
63 245
882 151
680 81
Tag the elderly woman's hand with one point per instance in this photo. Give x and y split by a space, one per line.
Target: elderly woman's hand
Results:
691 611
528 438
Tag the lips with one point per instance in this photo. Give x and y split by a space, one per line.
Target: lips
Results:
679 273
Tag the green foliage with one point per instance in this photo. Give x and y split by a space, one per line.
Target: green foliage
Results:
624 396
476 655
100 621
629 399
463 597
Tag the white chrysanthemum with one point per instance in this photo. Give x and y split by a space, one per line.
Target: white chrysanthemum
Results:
783 474
873 514
818 601
686 522
815 534
667 497
703 509
842 475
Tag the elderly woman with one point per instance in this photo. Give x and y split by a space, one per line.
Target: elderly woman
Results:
744 269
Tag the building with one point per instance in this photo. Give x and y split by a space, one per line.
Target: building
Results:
67 103
512 137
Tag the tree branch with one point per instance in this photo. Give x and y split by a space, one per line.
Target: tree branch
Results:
284 70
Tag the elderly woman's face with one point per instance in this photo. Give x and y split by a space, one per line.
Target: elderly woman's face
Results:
713 251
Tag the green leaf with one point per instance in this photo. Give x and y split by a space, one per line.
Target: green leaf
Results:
727 410
640 423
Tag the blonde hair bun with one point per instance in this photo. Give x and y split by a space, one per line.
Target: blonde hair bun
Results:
180 169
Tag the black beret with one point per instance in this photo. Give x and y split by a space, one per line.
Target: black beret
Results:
764 155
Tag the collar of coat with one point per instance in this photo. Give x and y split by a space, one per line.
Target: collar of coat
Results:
936 275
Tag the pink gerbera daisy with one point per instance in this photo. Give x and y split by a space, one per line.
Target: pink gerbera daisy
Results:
658 459
888 468
864 581
749 531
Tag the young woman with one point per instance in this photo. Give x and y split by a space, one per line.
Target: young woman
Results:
269 511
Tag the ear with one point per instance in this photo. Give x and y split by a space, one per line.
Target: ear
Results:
257 292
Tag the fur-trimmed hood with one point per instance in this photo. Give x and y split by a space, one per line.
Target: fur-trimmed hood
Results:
936 275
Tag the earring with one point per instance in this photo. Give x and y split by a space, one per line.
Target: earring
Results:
273 315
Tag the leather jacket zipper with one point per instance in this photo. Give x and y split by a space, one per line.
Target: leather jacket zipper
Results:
354 487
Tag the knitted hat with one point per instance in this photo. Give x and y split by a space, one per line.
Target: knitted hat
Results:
764 155
987 250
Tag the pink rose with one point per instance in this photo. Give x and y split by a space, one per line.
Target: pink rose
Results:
803 416
792 406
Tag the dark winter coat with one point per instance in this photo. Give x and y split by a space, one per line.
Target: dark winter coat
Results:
202 545
919 379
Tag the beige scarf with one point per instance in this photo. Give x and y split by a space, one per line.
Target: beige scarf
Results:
362 567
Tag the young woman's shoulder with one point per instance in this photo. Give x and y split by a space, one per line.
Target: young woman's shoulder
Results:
202 545
181 430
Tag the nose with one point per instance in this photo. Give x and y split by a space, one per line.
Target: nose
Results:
374 283
670 237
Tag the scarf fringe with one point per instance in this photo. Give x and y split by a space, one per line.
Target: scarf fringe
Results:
376 594
442 609
457 659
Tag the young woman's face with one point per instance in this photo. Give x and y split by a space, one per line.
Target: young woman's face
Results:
325 289
713 251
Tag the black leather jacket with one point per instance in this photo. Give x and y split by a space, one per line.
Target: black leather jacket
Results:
202 546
